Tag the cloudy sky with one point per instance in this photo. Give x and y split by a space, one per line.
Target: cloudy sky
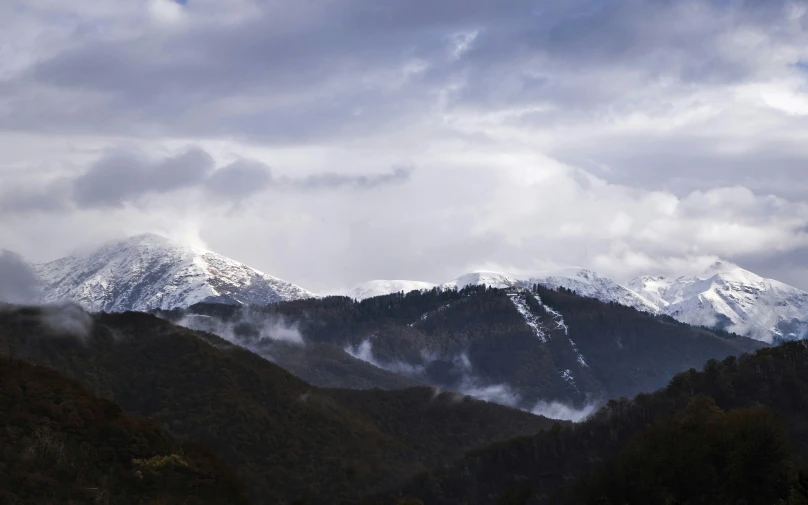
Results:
333 141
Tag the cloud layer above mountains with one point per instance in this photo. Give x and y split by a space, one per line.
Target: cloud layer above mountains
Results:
334 142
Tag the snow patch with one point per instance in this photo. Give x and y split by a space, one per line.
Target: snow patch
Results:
251 329
371 289
518 300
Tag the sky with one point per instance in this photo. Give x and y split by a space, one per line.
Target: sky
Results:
329 142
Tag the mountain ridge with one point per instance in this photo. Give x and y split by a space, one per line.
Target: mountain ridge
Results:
723 296
148 272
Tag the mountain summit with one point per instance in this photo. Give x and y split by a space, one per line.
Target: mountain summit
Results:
727 296
148 271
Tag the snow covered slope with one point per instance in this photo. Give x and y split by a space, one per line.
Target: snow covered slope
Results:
148 271
592 284
724 296
370 289
582 281
481 278
727 296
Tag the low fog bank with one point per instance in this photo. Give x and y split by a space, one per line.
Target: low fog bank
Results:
472 385
250 330
64 319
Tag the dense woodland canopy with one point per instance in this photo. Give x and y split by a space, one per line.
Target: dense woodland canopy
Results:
734 433
287 439
451 339
60 444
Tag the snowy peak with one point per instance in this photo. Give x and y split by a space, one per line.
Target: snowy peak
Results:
723 295
582 281
148 271
482 278
373 288
592 284
727 296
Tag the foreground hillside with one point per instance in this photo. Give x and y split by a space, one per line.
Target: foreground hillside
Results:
519 347
287 439
61 444
735 433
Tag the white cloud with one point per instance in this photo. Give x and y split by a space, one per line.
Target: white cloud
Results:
624 139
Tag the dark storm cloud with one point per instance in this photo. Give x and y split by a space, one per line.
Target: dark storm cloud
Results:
688 162
239 179
246 177
18 283
122 177
330 180
335 58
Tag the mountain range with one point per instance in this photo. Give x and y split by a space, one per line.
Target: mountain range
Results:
148 272
723 296
220 415
213 368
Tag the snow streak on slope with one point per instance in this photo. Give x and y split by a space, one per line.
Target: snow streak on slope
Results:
730 297
531 319
569 378
148 272
561 325
557 317
371 289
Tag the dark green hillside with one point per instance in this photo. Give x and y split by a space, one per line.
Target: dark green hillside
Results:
436 424
477 337
287 439
59 444
327 365
630 351
734 433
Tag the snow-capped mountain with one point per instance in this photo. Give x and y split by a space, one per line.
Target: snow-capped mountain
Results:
148 271
592 284
727 296
724 296
370 289
582 281
482 278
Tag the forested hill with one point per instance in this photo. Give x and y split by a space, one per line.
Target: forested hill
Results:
62 445
287 439
734 433
529 345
